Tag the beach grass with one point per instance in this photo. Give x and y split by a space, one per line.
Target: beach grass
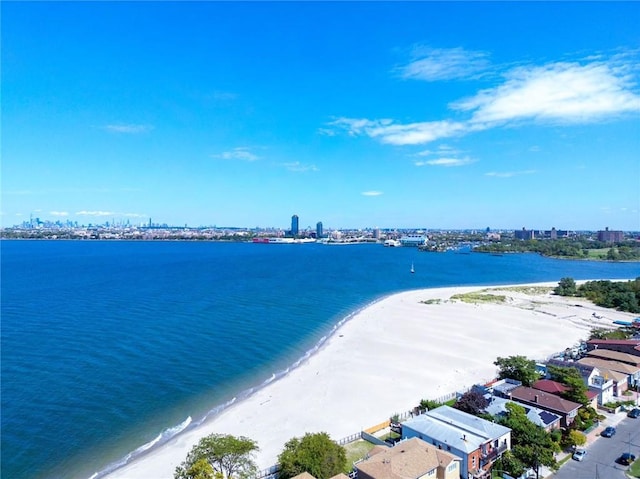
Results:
530 290
475 298
431 301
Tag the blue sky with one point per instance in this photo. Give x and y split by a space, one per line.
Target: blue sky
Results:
365 114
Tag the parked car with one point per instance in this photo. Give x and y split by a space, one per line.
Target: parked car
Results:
579 454
608 432
627 458
634 413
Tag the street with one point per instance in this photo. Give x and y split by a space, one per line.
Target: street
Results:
600 460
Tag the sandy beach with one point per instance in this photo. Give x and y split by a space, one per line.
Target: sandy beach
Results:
407 347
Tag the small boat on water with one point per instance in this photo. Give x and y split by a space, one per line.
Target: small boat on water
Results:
412 268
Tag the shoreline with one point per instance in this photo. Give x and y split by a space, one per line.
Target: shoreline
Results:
399 351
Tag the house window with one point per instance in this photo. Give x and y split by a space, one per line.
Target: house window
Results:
473 462
452 467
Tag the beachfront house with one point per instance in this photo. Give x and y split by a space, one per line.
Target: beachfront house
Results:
547 420
609 355
477 442
568 410
631 373
557 388
411 459
499 387
598 381
629 346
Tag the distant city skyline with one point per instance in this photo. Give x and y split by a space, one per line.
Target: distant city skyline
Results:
525 232
443 115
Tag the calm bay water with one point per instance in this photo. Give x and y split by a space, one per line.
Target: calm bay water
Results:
109 346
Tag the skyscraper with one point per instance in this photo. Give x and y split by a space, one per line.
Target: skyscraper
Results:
319 231
294 225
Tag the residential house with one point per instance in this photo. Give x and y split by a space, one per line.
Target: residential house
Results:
500 387
547 420
629 346
593 377
476 441
610 355
557 388
632 372
568 410
409 459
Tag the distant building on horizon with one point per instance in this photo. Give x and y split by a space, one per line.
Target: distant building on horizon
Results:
553 233
295 225
524 234
319 231
610 236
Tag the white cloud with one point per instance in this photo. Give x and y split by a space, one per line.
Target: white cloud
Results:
371 193
240 153
398 134
130 129
441 150
509 174
359 126
59 213
556 93
298 167
433 64
447 162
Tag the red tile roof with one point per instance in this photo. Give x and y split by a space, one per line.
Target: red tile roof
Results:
549 386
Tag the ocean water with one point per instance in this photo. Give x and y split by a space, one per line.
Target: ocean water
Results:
110 348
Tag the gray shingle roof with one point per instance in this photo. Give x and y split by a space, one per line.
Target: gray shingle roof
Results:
497 407
460 430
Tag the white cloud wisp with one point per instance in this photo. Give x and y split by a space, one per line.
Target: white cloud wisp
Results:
435 64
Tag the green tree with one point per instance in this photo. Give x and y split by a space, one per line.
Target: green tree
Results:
200 469
510 464
429 404
226 455
472 402
519 368
531 444
315 453
576 438
566 287
571 378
